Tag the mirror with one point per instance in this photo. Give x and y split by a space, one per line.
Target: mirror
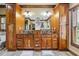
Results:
37 18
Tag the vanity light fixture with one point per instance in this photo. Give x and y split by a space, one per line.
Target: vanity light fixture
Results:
27 14
46 15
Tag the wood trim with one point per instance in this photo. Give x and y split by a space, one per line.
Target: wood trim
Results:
11 29
0 22
73 44
65 13
74 7
2 6
72 52
37 6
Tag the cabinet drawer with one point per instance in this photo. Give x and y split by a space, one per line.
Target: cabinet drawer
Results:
19 36
35 36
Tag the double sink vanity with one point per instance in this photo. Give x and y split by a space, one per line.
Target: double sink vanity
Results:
37 39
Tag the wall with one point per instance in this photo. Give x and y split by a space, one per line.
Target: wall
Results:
37 12
55 18
19 19
72 48
2 34
60 11
2 11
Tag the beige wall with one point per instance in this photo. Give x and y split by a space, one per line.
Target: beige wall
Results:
2 11
72 48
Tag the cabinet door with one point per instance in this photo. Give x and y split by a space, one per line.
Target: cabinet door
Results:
54 41
37 43
49 43
54 44
43 43
25 43
28 43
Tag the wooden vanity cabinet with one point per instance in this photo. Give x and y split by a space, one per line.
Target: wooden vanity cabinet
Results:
20 42
46 42
54 41
28 42
49 43
37 40
25 41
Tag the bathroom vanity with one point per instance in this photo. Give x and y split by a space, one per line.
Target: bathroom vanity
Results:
37 39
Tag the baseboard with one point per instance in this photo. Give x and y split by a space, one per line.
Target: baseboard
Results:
72 52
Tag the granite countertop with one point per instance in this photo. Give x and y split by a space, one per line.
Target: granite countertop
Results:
27 32
46 32
43 32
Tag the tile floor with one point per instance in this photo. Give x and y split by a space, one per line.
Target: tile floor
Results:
35 53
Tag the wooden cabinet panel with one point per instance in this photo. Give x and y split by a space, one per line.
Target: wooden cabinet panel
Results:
37 43
54 44
24 41
63 43
37 40
25 44
46 43
10 26
28 43
20 43
55 41
49 43
43 43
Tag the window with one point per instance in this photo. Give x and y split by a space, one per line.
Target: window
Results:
2 23
75 26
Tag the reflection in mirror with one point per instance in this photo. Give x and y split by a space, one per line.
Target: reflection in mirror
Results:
37 20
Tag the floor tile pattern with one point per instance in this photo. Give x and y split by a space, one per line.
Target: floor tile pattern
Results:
35 53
